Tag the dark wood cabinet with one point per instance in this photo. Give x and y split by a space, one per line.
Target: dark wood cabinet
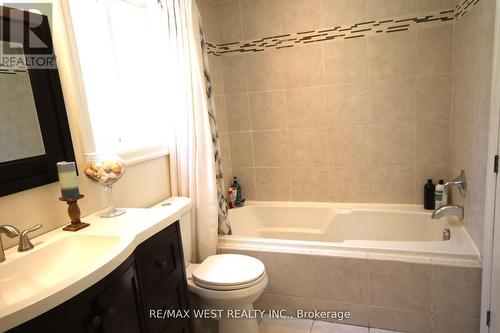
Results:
153 278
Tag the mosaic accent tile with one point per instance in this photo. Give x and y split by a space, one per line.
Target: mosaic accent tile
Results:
357 30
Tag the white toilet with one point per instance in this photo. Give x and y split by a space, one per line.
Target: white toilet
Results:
224 282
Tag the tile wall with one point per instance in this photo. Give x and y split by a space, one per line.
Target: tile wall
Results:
399 296
470 105
363 119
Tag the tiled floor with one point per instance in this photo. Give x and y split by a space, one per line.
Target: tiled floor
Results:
268 325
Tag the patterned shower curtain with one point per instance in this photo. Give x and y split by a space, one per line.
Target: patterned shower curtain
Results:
224 225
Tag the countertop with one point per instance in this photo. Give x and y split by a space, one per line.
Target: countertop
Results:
131 229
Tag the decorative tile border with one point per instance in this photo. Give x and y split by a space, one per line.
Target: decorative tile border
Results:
358 30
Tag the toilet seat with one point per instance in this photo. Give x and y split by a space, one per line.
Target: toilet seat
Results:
229 272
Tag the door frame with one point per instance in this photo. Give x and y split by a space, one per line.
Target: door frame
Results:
491 178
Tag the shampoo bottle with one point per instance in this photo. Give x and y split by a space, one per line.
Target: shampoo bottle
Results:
440 194
429 190
237 187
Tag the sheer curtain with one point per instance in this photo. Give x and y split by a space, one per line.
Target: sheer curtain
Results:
194 157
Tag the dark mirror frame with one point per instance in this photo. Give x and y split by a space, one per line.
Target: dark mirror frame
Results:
27 173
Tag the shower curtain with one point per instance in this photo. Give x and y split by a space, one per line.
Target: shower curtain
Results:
195 165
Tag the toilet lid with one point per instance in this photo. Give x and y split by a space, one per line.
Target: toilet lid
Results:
228 270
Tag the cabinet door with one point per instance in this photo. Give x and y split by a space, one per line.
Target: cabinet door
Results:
120 305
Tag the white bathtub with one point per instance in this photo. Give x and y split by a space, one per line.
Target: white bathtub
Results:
378 231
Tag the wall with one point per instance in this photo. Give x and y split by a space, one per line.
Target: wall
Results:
143 184
360 118
397 296
469 126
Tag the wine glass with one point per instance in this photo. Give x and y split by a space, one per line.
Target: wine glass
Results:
106 169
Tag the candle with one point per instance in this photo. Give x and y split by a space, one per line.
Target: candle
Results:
68 179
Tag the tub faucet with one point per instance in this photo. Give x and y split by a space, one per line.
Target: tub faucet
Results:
11 232
453 210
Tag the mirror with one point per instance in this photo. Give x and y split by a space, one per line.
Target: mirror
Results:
34 130
20 134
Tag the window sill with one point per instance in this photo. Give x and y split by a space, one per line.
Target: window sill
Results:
133 157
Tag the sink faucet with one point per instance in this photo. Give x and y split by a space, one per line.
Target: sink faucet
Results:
453 210
11 232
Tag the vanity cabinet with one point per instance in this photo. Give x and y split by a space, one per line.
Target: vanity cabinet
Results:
153 278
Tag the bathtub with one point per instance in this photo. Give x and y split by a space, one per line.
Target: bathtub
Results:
371 231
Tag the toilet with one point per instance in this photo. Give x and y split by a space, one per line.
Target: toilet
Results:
224 282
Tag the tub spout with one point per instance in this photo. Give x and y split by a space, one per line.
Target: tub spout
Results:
453 210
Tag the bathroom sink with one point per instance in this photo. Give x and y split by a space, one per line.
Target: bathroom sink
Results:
50 264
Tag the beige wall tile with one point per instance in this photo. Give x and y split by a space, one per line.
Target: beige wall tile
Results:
464 43
434 46
266 70
246 178
306 107
389 184
392 143
289 274
432 5
349 184
267 110
463 92
392 101
241 149
220 113
346 61
389 8
225 152
234 72
483 98
456 291
303 66
453 323
433 97
216 74
359 313
260 18
392 55
238 115
347 104
301 15
309 184
343 12
229 21
400 285
348 145
485 32
399 320
461 145
433 142
307 148
273 184
270 148
479 161
350 276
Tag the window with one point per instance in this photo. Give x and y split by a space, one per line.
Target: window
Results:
124 56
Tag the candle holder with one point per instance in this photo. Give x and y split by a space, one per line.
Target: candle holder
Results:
74 214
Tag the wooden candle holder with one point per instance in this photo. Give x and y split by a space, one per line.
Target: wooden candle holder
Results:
74 214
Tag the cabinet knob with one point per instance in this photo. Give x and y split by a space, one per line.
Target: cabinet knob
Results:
97 321
162 264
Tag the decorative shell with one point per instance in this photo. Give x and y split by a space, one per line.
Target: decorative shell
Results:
105 170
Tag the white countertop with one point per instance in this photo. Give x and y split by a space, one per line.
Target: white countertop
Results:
26 302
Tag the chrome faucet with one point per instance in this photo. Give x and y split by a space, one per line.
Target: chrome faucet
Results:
24 241
453 210
11 232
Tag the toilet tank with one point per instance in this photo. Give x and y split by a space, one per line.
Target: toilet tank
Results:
187 246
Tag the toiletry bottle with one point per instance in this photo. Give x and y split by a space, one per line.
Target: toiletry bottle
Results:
440 194
429 190
237 186
230 198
